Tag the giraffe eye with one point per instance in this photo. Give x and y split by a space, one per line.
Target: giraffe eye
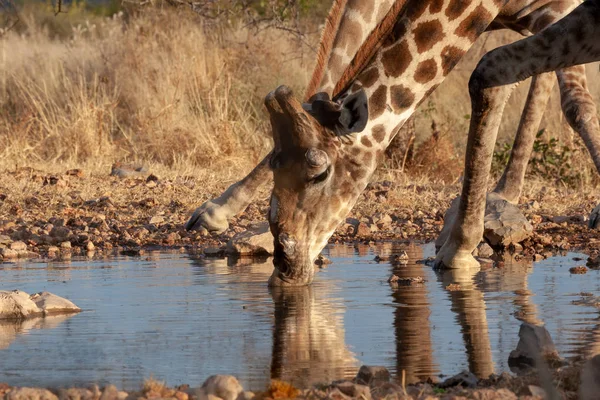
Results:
321 177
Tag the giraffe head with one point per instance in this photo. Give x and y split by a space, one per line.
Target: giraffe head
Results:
313 188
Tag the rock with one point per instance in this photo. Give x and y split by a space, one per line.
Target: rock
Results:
578 270
322 261
372 375
590 379
246 396
89 246
60 232
128 171
157 219
258 241
76 394
464 379
395 281
25 393
354 390
537 391
493 394
18 246
484 250
50 303
110 392
401 258
17 305
226 387
336 394
65 245
504 223
534 343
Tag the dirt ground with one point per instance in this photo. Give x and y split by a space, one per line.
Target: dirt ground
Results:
72 213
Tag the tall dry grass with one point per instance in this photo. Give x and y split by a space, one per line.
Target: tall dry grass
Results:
162 87
158 87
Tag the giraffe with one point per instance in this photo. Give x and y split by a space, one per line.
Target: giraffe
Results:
572 40
317 174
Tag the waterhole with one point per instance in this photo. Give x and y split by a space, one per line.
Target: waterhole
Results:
181 318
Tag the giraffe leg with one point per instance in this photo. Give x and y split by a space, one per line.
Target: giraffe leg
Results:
213 215
571 41
467 228
510 185
581 113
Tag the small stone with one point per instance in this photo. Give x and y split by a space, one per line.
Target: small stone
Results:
401 258
453 287
372 375
534 342
53 249
578 270
484 250
110 392
537 257
256 241
353 390
157 219
464 379
362 230
25 393
75 394
322 261
537 391
89 246
18 246
65 245
52 304
381 258
226 387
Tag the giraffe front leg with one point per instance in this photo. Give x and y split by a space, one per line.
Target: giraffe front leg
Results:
506 222
467 227
214 215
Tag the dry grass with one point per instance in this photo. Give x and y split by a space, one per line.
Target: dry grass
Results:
165 89
158 88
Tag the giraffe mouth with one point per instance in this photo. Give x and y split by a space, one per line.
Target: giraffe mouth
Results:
290 270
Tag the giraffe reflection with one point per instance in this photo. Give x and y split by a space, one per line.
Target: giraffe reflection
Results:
414 351
308 338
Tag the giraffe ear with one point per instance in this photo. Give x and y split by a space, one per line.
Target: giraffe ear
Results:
350 116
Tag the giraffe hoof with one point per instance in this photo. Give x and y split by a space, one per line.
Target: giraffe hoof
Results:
449 258
208 217
594 222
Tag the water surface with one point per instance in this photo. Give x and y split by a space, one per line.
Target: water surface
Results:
181 318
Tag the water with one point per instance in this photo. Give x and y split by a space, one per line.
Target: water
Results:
180 319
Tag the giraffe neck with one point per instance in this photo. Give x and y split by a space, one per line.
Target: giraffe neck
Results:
428 39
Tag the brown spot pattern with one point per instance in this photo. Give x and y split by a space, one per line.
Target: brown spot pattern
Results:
474 25
450 56
401 98
427 34
426 71
365 141
378 133
396 59
436 6
377 102
369 77
415 9
541 23
456 8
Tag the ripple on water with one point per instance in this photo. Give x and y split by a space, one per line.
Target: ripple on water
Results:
182 318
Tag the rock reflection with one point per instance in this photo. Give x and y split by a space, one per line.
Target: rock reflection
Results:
308 338
11 330
414 350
